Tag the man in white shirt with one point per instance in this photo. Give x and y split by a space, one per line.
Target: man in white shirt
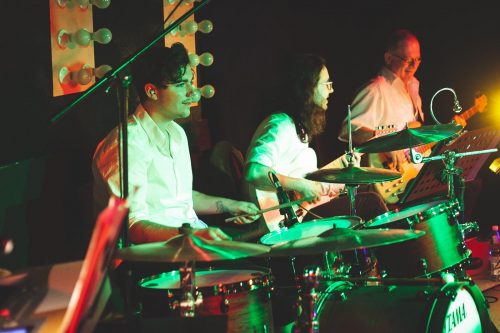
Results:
160 176
391 98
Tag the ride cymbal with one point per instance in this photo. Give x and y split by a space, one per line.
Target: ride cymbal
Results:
343 239
352 175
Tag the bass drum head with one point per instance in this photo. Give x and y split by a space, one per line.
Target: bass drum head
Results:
454 307
307 229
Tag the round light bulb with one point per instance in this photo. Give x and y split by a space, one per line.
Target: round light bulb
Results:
82 37
100 71
194 60
205 26
207 91
102 36
101 4
189 27
206 59
83 76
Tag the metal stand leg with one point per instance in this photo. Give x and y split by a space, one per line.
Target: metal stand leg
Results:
306 303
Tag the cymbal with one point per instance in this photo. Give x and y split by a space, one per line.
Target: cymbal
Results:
344 239
353 175
188 247
409 138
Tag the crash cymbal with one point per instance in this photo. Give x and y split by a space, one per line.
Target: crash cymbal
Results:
188 247
409 138
343 239
353 175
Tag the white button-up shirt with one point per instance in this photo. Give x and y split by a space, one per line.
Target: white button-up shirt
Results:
159 172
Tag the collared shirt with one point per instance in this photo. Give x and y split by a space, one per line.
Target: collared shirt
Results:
385 101
160 176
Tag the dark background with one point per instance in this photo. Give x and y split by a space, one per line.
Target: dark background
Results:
45 176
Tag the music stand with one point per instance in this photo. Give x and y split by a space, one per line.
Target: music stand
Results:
429 181
89 295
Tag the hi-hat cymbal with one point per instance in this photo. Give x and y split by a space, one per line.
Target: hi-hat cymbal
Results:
343 239
188 247
353 175
409 138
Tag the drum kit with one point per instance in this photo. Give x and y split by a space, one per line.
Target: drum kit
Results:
417 249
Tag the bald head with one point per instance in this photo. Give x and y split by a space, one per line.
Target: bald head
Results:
402 55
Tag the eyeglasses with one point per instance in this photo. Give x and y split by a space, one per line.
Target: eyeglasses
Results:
413 61
328 84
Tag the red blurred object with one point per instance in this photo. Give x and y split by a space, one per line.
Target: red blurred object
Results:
479 248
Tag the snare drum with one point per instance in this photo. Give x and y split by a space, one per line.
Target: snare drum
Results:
241 294
452 307
286 271
440 248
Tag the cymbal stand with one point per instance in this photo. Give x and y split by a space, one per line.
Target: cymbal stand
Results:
351 188
188 303
306 303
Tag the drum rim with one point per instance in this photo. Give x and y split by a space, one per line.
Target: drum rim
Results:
440 307
420 216
257 282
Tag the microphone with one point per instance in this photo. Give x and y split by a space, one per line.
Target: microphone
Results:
287 212
456 105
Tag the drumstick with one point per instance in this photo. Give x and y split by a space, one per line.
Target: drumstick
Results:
230 219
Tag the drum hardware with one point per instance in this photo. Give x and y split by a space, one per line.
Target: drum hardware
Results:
306 302
187 248
468 227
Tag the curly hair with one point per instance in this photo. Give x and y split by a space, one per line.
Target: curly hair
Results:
299 81
159 66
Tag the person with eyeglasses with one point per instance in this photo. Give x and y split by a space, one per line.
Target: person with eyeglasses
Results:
161 195
391 98
281 145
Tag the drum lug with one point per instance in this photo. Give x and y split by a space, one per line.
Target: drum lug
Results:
224 304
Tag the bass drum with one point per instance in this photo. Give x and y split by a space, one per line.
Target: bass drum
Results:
452 307
243 295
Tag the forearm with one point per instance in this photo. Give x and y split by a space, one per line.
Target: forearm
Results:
147 231
359 136
258 175
205 204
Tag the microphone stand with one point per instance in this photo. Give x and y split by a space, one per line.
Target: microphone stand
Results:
456 183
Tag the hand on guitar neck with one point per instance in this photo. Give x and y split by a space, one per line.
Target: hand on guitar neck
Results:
480 104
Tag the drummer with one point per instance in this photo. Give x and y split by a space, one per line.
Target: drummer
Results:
281 145
160 178
281 142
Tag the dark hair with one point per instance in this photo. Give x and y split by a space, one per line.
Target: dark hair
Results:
398 36
159 66
300 77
